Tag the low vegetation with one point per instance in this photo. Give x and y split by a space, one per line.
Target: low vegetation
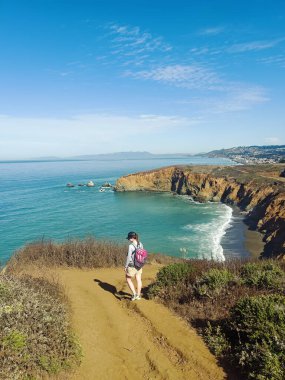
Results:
87 253
256 334
238 306
35 334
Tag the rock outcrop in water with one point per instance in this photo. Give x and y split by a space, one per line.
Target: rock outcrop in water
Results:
256 189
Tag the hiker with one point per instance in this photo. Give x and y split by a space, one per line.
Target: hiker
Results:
130 269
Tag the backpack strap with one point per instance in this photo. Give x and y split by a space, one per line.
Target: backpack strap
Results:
136 247
134 250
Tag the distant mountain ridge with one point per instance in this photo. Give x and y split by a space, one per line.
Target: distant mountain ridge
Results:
242 154
252 154
129 155
117 156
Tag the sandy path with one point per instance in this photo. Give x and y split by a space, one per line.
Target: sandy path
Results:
124 340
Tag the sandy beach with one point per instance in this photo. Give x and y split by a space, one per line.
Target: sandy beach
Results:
253 242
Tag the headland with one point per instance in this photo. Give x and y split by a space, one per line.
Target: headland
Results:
257 190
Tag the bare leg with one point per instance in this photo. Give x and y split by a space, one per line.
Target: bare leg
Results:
139 283
131 285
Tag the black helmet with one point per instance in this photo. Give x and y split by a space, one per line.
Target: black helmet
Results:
131 235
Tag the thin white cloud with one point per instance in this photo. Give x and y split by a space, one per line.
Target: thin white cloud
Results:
254 46
161 121
243 97
212 31
278 60
200 51
227 96
133 45
206 50
66 73
272 141
187 76
149 63
236 98
134 37
246 47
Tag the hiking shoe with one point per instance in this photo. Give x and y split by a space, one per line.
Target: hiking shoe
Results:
134 297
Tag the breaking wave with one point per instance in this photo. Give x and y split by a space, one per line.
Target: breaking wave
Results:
206 237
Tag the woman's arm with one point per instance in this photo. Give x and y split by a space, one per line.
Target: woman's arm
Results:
130 254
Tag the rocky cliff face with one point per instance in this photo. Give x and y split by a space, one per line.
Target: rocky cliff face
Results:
258 190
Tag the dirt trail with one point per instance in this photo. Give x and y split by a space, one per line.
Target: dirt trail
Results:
124 340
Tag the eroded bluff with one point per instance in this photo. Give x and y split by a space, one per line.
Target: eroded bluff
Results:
257 189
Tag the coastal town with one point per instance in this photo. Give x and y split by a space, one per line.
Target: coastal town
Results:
252 155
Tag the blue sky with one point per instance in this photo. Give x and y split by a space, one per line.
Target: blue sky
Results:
87 77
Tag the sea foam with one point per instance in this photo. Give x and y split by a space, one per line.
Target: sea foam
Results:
208 236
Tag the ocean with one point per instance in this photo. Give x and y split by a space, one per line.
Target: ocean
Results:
35 204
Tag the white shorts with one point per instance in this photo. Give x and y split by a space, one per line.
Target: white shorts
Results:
131 271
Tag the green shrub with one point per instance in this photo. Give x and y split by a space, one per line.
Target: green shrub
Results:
262 275
153 290
213 281
173 274
15 340
4 291
257 333
50 364
216 340
170 280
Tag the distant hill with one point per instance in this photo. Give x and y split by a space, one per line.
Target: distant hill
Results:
117 156
114 156
252 154
128 156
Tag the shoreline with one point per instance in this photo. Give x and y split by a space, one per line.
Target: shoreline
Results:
239 241
222 232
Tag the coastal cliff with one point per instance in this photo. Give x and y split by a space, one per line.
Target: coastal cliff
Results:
256 189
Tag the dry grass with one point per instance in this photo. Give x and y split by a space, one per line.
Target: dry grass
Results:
87 253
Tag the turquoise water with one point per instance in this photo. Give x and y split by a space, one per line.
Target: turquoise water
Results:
35 203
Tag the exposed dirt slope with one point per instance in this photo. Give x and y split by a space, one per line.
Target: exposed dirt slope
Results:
122 339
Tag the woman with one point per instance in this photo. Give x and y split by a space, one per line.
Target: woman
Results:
130 269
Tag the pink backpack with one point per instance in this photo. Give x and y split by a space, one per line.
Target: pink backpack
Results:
140 257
